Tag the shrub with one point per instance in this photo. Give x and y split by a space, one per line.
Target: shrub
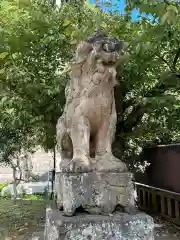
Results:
2 185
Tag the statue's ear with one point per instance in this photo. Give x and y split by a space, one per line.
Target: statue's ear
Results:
97 46
84 47
83 50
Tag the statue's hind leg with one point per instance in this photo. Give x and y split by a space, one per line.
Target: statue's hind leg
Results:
105 160
80 135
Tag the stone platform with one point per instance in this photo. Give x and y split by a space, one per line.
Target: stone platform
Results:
95 192
117 226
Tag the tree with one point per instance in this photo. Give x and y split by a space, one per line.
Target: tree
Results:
15 144
38 42
150 82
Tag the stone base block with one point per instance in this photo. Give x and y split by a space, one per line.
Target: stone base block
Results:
95 192
119 226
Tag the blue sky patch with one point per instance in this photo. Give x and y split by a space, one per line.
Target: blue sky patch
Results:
118 6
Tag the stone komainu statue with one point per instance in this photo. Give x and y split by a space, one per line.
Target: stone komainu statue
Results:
86 129
84 137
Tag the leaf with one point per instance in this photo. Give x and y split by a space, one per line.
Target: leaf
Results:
62 36
4 99
73 42
10 111
164 18
14 55
68 31
3 55
138 48
172 8
24 3
104 25
144 8
66 22
2 71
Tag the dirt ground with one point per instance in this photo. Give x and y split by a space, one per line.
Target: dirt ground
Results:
165 230
19 218
23 217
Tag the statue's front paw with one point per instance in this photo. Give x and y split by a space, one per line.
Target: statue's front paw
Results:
66 165
109 163
80 165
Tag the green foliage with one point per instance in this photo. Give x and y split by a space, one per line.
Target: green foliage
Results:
2 185
35 196
152 77
38 196
37 42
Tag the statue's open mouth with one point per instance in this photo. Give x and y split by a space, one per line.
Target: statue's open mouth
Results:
109 58
110 63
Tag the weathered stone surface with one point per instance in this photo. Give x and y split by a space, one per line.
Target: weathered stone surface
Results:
88 124
119 226
96 192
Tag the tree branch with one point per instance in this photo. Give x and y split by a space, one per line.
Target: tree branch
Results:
138 111
165 1
132 120
53 3
165 61
176 58
128 103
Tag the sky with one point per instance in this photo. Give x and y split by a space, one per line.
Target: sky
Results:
119 5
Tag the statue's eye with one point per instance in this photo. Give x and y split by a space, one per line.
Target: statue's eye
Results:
108 47
105 47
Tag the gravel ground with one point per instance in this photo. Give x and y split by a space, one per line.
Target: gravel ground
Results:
165 230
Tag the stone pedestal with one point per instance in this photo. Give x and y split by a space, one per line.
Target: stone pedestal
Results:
117 226
100 196
95 192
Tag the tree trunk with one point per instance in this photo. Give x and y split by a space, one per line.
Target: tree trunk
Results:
16 180
53 173
53 3
27 168
14 195
118 147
